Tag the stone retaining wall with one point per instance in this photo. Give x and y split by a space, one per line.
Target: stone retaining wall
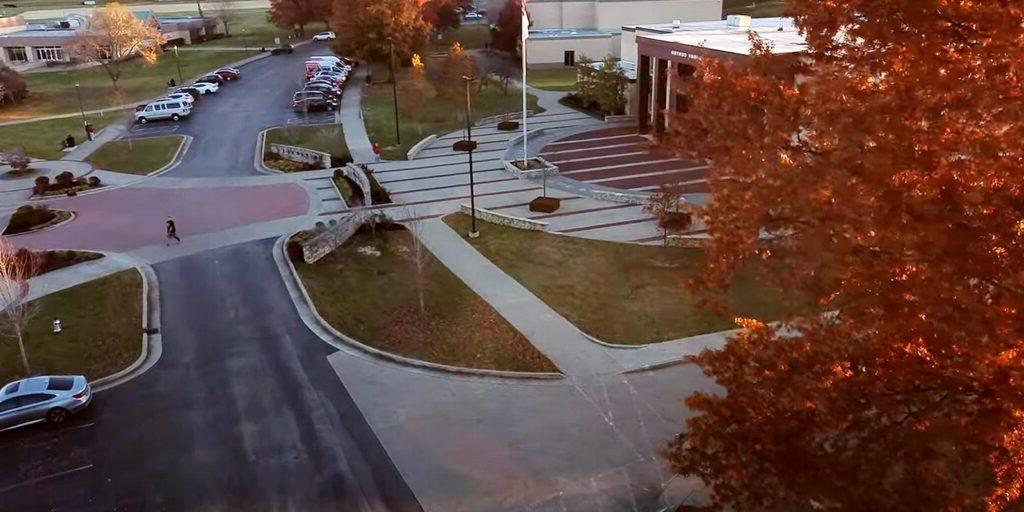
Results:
548 169
420 146
620 197
505 220
356 174
330 238
297 154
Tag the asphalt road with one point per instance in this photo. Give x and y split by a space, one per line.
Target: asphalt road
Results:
241 413
224 125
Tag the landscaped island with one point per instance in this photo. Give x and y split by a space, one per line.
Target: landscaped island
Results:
367 290
620 293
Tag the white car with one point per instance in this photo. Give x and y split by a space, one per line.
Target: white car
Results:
206 87
181 96
324 36
474 16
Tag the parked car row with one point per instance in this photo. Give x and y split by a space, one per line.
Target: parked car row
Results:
179 102
325 80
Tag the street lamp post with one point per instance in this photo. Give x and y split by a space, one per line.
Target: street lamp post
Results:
524 34
394 88
81 109
178 63
468 145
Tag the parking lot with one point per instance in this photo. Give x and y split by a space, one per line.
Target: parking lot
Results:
225 125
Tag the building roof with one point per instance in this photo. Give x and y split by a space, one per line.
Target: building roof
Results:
719 35
572 33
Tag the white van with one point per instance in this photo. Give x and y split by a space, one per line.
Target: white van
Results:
163 109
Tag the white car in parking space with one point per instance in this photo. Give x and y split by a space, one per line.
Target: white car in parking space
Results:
206 87
324 36
181 96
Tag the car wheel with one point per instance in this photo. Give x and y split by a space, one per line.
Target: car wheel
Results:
143 120
175 117
57 415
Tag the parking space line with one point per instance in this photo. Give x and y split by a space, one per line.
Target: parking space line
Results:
36 480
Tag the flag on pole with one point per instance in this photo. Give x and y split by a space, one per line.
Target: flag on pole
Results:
526 22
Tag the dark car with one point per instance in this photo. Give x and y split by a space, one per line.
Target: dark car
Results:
191 91
213 78
283 49
313 101
227 74
324 88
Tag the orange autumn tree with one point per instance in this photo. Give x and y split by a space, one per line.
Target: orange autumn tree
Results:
890 186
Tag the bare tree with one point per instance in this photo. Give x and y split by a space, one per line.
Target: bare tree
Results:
417 255
227 13
16 268
667 206
115 36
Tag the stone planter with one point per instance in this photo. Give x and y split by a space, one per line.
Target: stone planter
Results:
545 204
508 126
536 168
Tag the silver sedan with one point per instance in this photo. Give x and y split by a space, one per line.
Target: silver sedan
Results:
36 399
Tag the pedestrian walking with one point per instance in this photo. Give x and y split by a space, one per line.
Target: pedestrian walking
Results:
376 151
172 231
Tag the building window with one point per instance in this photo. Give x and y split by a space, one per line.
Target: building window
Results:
17 54
570 58
50 53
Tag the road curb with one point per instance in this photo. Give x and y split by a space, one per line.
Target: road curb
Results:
179 155
261 149
152 345
311 317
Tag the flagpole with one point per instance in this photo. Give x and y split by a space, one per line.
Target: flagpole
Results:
525 30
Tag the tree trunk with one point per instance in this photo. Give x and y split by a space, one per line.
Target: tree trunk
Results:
423 308
227 31
24 355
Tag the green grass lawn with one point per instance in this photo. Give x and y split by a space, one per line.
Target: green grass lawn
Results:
102 322
427 115
250 28
137 156
469 36
329 138
42 139
755 8
558 79
619 293
371 297
54 92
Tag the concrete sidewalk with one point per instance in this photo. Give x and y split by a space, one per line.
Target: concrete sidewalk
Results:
88 147
552 334
351 116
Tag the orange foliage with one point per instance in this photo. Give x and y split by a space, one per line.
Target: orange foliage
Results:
892 181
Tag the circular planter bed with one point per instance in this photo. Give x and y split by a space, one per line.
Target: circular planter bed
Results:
29 218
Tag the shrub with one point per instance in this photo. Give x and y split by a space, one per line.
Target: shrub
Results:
27 217
13 88
340 160
94 181
65 179
42 183
16 158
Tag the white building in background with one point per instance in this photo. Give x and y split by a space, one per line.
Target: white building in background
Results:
562 31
